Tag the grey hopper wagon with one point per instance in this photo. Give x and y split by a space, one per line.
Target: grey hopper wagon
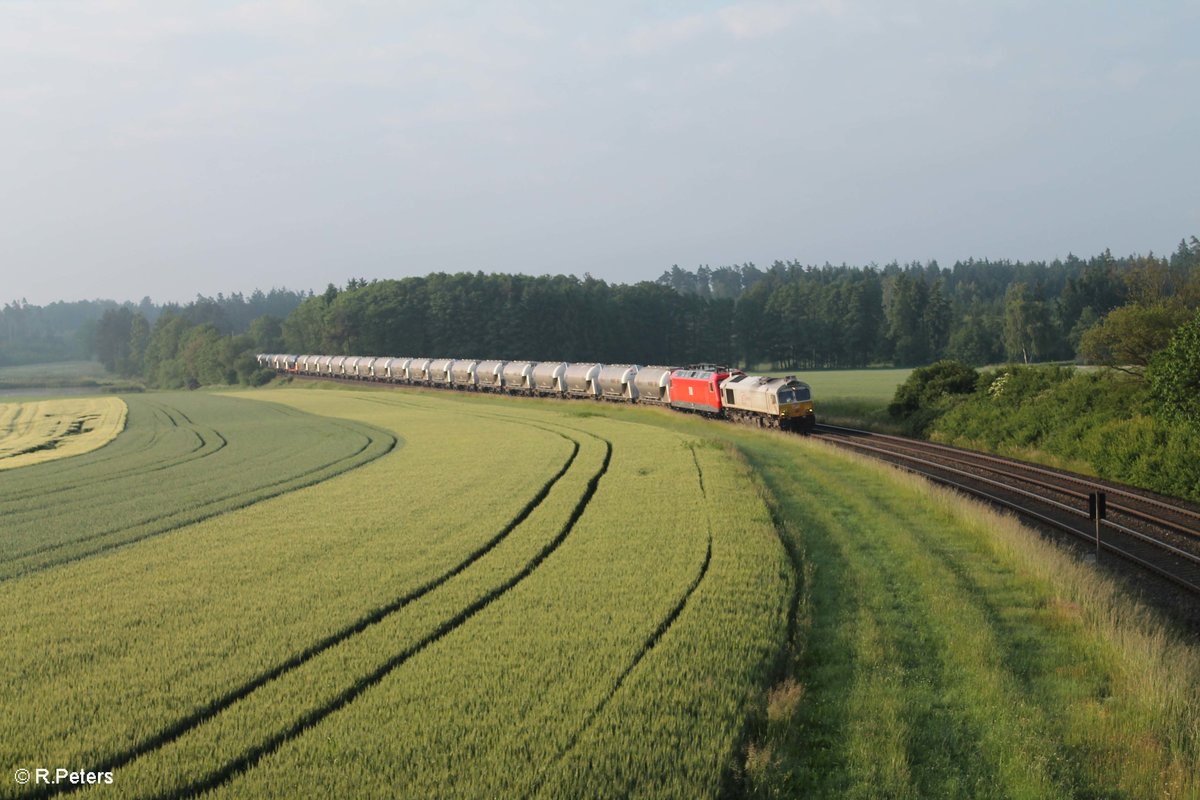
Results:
350 366
366 367
518 376
549 377
418 370
381 370
439 371
653 384
489 375
463 374
616 382
400 369
581 380
322 367
335 366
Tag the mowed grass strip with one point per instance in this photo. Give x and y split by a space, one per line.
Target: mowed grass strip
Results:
945 651
46 430
484 710
248 452
108 652
257 725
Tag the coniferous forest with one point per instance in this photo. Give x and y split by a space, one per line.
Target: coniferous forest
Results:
1103 309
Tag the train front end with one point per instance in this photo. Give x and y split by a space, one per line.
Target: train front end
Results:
795 403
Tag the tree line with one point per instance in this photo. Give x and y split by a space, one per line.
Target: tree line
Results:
1104 309
977 312
117 332
68 331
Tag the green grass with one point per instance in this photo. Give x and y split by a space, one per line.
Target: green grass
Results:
856 397
560 599
46 430
168 627
500 549
57 371
71 376
180 459
944 651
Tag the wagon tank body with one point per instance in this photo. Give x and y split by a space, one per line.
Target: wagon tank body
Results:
653 384
618 382
581 380
364 367
518 376
463 374
418 370
381 370
489 375
439 371
548 377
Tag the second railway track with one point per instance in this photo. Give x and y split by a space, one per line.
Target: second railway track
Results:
1159 534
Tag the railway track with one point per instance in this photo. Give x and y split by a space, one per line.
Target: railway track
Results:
1159 534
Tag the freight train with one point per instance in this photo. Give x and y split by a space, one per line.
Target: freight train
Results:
707 389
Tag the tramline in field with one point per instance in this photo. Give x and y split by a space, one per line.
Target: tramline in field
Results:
784 403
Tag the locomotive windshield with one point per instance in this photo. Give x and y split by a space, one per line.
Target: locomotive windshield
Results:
796 394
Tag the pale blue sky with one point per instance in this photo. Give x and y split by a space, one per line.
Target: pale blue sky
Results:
175 148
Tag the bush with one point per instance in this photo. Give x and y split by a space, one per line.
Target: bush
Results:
1099 420
929 391
1174 376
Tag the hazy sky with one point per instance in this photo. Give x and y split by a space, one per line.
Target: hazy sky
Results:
175 148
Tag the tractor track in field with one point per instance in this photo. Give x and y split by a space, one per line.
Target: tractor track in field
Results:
251 758
1158 534
651 641
212 507
156 410
247 759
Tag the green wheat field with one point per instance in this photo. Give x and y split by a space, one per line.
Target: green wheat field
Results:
332 592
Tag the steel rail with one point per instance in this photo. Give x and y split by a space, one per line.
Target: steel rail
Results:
1156 544
1021 471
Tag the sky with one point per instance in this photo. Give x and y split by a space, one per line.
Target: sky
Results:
179 148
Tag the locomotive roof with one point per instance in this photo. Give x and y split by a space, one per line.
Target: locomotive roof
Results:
702 371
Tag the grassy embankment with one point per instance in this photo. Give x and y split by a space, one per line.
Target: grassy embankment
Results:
942 650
